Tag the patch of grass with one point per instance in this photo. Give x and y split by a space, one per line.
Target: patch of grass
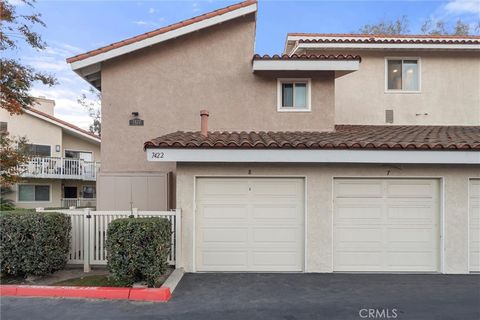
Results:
91 281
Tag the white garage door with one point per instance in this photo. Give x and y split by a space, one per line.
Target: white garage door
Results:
245 224
386 225
474 225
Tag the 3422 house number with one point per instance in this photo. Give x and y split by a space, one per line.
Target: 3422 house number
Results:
157 155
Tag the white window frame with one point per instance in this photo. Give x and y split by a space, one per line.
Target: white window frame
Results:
419 65
34 184
281 108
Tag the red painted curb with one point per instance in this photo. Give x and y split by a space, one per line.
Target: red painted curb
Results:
150 294
8 290
138 294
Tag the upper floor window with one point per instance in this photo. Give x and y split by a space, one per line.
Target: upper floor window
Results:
293 95
39 150
403 75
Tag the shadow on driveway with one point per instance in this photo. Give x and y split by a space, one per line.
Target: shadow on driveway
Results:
279 296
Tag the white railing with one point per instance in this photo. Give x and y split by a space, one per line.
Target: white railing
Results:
89 233
78 202
62 168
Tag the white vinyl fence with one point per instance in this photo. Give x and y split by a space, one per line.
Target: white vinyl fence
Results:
89 233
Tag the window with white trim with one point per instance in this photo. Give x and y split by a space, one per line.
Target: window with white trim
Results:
403 75
33 193
294 95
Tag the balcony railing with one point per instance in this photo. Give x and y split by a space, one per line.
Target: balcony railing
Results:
79 202
60 168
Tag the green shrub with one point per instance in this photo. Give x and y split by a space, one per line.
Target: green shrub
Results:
33 243
138 249
6 204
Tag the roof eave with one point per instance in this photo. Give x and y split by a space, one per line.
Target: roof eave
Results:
84 67
341 66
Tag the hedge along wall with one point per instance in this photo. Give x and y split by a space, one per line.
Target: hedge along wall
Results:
33 243
137 249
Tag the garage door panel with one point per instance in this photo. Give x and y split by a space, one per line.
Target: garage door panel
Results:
364 260
407 189
258 227
410 234
275 188
403 260
231 188
356 237
274 259
224 211
395 229
412 212
474 224
349 189
275 235
219 236
350 212
275 211
228 259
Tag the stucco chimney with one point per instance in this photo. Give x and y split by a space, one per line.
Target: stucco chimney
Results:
204 123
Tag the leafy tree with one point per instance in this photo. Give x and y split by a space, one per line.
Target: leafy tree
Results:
461 28
429 27
398 26
13 153
92 105
17 79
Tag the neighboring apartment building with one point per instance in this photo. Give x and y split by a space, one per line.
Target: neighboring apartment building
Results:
348 153
64 159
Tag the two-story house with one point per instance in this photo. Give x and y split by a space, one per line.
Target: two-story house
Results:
62 169
348 153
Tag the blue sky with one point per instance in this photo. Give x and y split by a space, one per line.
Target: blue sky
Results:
77 26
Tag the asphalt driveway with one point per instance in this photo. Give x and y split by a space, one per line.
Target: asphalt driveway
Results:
279 296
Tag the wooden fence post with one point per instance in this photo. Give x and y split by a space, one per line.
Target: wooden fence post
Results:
86 240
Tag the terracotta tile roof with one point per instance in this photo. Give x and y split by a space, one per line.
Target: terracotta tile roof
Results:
308 57
385 38
156 32
348 35
344 137
74 127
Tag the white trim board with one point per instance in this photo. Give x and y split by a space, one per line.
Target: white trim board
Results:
306 65
163 37
313 156
416 46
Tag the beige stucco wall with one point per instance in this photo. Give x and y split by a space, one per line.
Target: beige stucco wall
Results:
450 90
55 194
320 206
37 131
74 143
169 83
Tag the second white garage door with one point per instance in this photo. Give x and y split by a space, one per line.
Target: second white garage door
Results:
249 224
386 225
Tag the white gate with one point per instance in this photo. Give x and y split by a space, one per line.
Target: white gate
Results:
89 233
